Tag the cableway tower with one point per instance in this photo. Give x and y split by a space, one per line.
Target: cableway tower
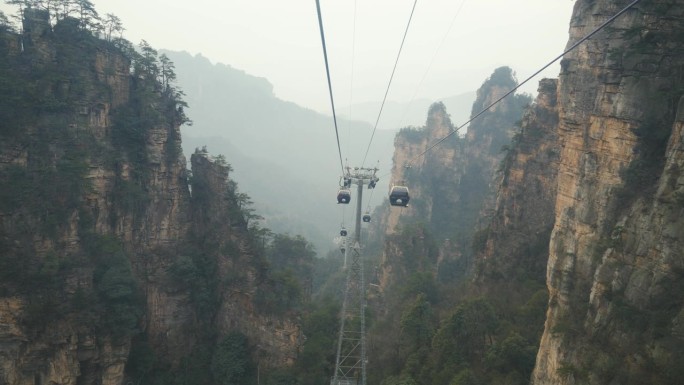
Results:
350 364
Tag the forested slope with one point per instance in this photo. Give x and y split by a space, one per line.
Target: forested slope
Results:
117 263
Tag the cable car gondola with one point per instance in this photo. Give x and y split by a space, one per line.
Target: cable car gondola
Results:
399 196
343 196
366 217
343 232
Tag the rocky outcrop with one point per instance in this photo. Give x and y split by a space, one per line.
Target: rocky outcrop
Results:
517 237
409 168
102 232
451 178
421 300
278 337
61 356
615 265
408 162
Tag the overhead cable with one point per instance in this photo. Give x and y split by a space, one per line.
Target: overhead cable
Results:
390 82
592 33
351 81
327 72
434 56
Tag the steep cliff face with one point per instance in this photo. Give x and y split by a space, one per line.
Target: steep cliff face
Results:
427 329
409 144
453 183
56 193
514 245
105 255
242 274
615 264
446 162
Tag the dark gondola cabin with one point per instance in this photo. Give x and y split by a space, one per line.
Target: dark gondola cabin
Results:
366 217
399 196
343 232
343 196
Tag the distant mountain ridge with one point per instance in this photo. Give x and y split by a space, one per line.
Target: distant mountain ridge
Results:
238 115
403 114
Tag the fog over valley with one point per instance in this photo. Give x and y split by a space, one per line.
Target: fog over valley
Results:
341 192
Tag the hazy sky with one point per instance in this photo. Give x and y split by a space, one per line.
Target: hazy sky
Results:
451 47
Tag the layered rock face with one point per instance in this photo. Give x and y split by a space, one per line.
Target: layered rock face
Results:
98 226
615 274
515 243
446 161
452 181
407 162
241 271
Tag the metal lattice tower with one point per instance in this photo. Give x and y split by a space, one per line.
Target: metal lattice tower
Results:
350 365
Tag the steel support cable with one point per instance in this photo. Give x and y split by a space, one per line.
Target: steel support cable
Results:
582 40
351 88
344 216
372 191
434 56
370 198
390 82
327 72
351 81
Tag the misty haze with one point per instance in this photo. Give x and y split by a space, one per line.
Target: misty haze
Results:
373 193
